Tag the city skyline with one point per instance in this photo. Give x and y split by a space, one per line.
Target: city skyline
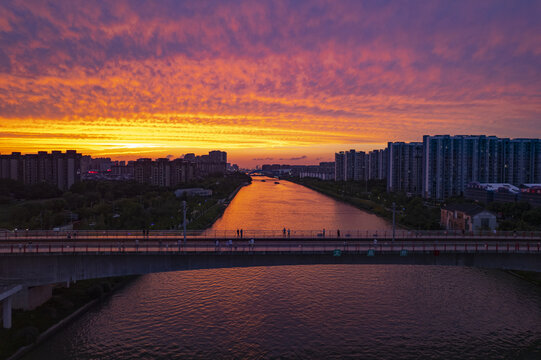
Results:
295 81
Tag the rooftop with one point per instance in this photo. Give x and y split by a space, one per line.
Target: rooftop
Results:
469 209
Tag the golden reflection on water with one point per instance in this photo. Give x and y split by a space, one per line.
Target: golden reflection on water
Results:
267 205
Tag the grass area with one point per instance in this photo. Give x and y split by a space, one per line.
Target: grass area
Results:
208 217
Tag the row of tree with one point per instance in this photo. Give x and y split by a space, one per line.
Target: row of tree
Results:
413 211
115 205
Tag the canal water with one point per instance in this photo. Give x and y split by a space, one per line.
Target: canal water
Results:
308 312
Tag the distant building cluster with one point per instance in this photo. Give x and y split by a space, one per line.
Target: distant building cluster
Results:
55 168
160 172
442 166
358 165
65 169
323 171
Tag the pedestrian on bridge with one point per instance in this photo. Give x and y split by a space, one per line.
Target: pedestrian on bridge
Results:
288 233
241 233
338 233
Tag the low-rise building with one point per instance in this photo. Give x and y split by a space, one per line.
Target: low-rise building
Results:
497 192
467 217
489 192
193 192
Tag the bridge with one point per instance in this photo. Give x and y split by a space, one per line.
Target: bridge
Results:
36 258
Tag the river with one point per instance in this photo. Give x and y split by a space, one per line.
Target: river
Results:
327 311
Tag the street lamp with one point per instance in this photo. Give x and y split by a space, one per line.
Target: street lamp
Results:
394 223
184 220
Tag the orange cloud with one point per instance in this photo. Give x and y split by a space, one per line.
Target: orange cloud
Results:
300 77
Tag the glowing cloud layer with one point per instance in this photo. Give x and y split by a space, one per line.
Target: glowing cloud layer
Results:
286 79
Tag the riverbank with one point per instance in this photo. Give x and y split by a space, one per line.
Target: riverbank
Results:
32 327
411 212
531 277
213 213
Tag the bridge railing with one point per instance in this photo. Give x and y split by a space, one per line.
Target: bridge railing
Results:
35 235
299 246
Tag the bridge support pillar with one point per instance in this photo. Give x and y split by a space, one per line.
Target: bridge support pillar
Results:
6 312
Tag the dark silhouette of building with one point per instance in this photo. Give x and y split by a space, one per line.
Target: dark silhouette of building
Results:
57 168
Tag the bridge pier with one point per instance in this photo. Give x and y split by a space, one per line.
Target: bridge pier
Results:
6 312
7 292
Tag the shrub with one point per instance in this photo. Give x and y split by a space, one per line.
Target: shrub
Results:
27 335
95 291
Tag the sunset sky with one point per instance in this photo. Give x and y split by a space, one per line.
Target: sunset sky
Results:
278 81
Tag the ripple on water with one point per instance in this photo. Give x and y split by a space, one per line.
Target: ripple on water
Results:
310 312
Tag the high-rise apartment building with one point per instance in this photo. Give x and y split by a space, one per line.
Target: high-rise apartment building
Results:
404 167
215 163
377 164
142 171
450 163
57 168
349 165
359 166
161 172
339 166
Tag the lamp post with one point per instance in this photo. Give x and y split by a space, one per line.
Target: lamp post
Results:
394 223
184 219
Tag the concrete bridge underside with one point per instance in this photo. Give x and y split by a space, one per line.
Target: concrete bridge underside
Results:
42 269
